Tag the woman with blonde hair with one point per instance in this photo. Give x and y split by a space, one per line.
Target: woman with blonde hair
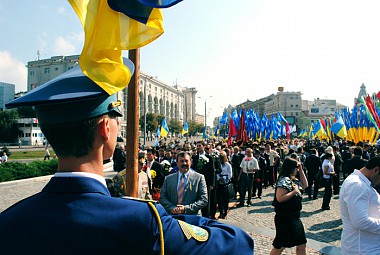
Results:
224 178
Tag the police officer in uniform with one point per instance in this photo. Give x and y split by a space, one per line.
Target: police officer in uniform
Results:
74 213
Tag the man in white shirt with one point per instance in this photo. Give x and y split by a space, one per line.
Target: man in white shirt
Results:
248 167
359 207
273 157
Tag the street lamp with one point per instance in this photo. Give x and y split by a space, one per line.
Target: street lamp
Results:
144 113
146 80
205 110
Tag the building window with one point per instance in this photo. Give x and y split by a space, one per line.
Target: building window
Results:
296 113
47 70
56 69
291 106
31 72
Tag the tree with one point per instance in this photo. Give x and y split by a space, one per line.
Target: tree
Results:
195 128
8 126
159 118
175 126
151 122
27 112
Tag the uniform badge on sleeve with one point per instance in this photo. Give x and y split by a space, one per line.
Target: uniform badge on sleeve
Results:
189 231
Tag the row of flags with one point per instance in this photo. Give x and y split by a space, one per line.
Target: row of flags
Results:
249 125
360 124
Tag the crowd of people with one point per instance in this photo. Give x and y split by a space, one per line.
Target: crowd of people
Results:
219 173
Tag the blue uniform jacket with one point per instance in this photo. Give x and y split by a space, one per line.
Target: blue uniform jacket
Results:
78 216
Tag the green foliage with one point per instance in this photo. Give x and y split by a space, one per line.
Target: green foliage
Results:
195 128
26 112
8 126
151 122
6 150
175 126
159 118
10 171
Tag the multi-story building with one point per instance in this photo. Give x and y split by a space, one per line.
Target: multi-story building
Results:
295 110
7 94
30 132
199 119
44 70
174 102
289 104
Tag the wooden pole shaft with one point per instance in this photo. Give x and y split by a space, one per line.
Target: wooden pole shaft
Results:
133 109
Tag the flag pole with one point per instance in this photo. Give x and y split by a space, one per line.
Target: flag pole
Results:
132 127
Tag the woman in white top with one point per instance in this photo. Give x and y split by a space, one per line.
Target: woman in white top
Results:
224 179
328 173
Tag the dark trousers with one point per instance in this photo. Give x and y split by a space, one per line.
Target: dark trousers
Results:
235 182
210 209
266 177
312 182
336 181
257 184
223 198
272 175
328 192
246 182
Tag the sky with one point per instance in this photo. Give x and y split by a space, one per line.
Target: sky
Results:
230 51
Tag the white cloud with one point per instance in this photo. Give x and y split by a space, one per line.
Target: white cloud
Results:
68 45
61 10
63 46
13 71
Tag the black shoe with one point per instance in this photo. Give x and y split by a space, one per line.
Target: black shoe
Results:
315 198
326 208
240 205
259 197
222 216
248 205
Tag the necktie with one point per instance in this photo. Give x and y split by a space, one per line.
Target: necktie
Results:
181 188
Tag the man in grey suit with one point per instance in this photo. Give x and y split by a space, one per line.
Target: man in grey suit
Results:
184 192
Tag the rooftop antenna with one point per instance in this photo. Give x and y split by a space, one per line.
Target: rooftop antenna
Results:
38 55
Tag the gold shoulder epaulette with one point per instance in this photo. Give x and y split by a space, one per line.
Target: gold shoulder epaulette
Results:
140 199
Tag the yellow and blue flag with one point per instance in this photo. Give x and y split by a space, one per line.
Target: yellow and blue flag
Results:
318 129
111 26
157 136
185 129
204 135
339 128
164 128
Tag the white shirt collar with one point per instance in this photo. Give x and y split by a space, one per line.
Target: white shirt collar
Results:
363 177
82 174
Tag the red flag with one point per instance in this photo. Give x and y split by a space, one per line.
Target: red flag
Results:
287 129
372 110
232 132
242 133
323 123
378 95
